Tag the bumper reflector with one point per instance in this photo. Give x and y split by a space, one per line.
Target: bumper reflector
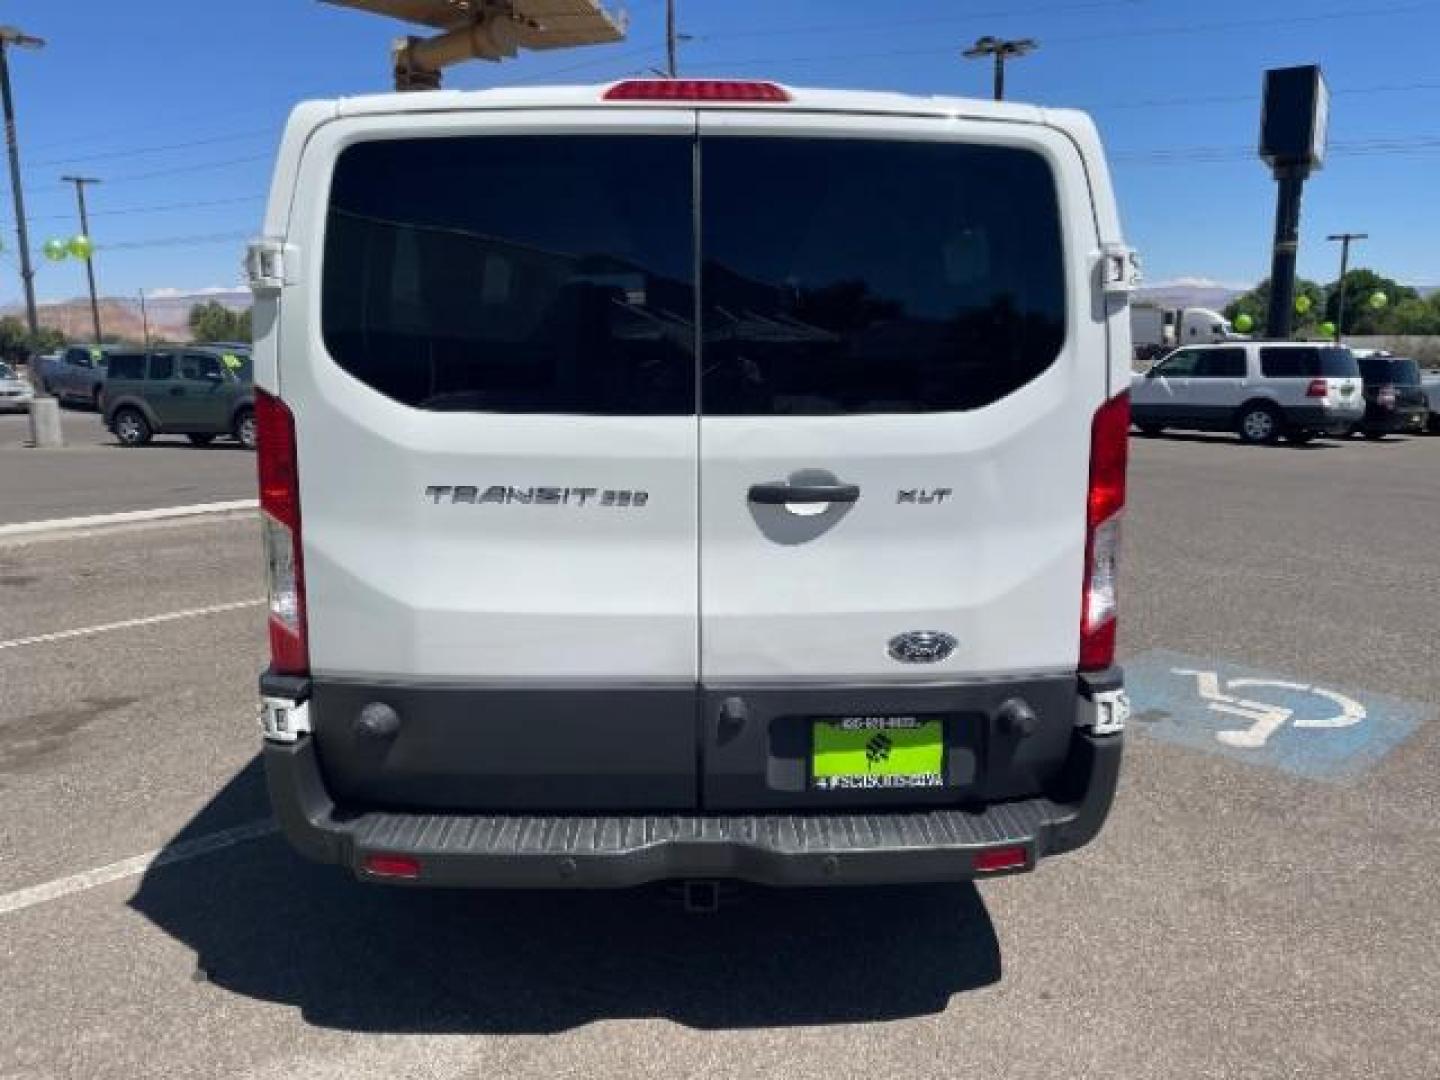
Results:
1000 858
391 866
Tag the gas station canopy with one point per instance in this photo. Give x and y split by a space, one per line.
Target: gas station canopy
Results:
486 30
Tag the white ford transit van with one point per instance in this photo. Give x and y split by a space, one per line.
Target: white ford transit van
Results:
690 479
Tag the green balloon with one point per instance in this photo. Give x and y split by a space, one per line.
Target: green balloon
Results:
1302 304
1378 300
80 246
1328 329
54 250
1244 323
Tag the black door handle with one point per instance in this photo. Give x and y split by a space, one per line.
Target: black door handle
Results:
778 493
177 391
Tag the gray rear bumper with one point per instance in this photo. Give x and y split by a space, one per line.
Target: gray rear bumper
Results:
537 851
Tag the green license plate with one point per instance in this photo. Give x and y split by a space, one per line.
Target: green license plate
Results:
870 752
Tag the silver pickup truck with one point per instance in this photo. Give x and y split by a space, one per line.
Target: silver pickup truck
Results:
76 374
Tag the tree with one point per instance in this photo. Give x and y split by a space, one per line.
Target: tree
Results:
213 321
1360 318
17 343
1412 316
1256 304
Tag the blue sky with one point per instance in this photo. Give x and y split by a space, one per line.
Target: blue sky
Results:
178 109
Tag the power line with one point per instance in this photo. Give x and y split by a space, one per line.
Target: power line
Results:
155 208
1231 99
174 241
133 151
931 20
1153 31
651 51
654 51
196 167
1217 155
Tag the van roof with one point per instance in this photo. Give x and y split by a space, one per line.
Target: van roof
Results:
590 96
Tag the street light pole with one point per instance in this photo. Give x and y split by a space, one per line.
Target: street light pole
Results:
80 182
1000 50
1344 239
9 36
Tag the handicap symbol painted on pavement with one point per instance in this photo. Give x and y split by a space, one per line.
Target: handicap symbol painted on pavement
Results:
1318 731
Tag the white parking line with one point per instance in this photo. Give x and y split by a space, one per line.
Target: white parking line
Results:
133 867
126 517
148 620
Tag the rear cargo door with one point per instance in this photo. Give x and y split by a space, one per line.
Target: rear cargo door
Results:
495 407
899 332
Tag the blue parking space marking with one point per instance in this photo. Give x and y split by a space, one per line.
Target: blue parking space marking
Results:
1316 730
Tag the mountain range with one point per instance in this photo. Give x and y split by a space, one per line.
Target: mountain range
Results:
167 312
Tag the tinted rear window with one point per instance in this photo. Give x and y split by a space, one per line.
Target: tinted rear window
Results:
846 275
1308 362
1221 364
126 366
515 274
1395 370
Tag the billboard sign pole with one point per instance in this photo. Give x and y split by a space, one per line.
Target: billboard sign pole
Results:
1293 124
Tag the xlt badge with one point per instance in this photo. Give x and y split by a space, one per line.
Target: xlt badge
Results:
503 495
922 495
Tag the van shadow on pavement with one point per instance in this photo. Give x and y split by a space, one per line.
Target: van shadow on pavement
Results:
267 924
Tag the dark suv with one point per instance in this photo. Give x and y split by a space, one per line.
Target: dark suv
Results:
197 392
1395 401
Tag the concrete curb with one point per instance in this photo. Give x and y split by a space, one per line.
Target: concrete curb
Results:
26 529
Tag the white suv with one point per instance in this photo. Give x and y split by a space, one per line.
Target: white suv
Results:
690 479
1259 389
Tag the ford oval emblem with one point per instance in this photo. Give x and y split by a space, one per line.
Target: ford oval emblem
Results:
922 647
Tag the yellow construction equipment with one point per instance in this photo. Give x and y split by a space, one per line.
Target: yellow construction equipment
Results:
486 30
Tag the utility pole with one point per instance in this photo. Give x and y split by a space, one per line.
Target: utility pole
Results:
45 430
11 36
1001 50
144 320
80 182
1344 238
670 38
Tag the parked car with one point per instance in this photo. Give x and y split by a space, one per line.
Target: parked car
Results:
197 392
580 595
1395 399
1261 390
1430 383
76 374
16 392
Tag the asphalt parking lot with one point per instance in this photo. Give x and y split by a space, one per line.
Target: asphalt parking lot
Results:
94 474
1261 903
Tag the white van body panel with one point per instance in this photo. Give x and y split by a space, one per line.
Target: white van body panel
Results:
996 564
402 588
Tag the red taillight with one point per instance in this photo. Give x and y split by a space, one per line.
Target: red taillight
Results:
695 90
1317 388
391 866
280 525
1000 858
1109 447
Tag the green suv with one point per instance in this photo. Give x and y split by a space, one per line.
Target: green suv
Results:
197 392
